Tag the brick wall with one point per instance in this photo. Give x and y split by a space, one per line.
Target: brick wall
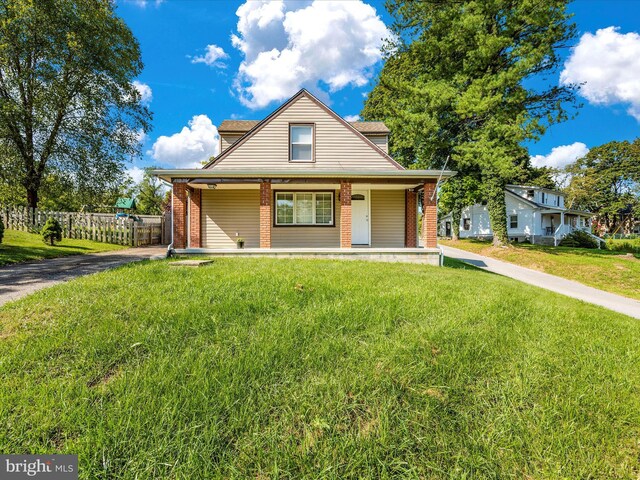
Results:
194 218
265 215
411 219
345 215
179 215
429 216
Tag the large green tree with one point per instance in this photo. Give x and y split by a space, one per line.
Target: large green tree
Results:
150 194
457 82
606 181
67 102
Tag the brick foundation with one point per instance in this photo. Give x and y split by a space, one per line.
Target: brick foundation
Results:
265 215
179 214
411 219
345 215
194 218
429 216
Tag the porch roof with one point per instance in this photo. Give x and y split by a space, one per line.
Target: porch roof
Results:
197 175
558 210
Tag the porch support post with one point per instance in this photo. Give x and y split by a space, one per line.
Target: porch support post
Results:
345 214
265 214
194 218
179 214
411 219
429 215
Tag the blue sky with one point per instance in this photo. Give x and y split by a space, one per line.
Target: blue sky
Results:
206 61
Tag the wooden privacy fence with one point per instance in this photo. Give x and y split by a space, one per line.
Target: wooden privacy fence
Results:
99 227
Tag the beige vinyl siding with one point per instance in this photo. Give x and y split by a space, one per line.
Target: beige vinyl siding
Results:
225 212
337 147
288 237
381 141
387 218
227 140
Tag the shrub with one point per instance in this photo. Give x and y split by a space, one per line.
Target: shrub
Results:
628 244
1 230
52 231
579 239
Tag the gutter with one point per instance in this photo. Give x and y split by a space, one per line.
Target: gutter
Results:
188 174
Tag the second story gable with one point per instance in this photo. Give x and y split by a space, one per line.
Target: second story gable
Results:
232 130
541 196
303 134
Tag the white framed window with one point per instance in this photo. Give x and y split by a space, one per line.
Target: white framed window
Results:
304 208
513 221
466 224
301 143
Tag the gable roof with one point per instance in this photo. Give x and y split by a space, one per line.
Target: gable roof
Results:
302 93
370 127
533 187
523 199
243 126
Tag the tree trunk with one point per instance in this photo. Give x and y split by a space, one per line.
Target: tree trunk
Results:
456 214
497 210
32 197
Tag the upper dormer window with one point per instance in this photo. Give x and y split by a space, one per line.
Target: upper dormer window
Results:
301 143
530 194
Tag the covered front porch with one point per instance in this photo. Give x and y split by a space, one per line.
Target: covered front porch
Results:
556 224
359 216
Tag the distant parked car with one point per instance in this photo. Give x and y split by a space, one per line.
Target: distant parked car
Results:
128 215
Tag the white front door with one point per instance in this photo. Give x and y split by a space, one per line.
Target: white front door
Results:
360 217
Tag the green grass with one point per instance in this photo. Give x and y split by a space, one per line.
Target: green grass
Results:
615 272
266 368
19 247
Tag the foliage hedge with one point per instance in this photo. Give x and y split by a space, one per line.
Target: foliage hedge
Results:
631 245
579 239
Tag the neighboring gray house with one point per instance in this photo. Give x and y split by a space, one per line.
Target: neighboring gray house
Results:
534 214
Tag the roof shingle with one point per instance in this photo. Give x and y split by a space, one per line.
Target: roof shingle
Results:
243 126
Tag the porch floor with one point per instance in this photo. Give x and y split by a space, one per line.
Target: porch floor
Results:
431 256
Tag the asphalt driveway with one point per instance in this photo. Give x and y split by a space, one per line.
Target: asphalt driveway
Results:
21 279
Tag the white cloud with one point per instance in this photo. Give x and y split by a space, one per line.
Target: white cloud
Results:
136 174
608 63
144 3
141 136
195 143
211 57
352 118
290 45
144 90
561 156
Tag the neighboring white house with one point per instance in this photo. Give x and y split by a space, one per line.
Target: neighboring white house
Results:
534 214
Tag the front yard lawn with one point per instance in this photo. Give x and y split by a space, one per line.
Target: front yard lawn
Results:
267 368
19 247
615 272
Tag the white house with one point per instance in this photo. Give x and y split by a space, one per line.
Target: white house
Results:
534 214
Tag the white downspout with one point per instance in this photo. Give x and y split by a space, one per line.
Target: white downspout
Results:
170 247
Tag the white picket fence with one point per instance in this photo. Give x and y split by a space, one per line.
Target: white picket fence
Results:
99 227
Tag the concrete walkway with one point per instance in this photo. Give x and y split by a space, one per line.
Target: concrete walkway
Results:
21 279
566 287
